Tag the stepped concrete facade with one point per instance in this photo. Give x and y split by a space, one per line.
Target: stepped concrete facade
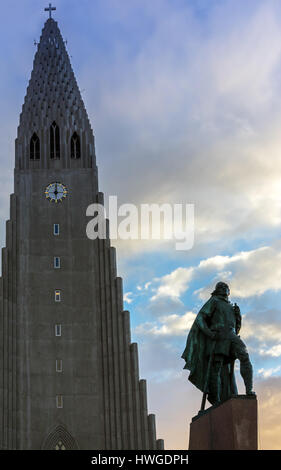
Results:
69 372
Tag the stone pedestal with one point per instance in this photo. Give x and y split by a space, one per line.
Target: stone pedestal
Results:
232 425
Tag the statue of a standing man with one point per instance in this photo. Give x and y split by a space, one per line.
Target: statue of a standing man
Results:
213 345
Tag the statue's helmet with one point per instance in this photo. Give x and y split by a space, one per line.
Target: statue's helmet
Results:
222 286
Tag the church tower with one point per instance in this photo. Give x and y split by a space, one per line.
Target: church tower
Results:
69 374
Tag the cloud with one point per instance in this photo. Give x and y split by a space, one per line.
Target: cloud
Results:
170 325
266 373
275 351
197 111
262 328
173 284
249 273
220 262
127 297
201 113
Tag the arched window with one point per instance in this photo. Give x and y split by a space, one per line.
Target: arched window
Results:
34 147
54 141
75 148
60 439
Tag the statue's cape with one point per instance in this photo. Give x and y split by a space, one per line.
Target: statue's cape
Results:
197 358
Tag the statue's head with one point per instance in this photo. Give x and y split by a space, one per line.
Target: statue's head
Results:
221 289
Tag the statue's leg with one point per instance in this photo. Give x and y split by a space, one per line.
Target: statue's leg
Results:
239 350
214 381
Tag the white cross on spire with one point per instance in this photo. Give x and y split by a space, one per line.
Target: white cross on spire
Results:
50 9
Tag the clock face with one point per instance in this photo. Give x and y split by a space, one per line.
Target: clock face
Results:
56 192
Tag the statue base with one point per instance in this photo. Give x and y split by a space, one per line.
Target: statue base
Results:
231 425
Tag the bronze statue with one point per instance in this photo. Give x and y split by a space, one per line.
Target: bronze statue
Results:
213 345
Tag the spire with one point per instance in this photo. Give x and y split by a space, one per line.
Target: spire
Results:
53 96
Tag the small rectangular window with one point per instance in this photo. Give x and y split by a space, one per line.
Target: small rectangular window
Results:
57 262
59 401
56 229
57 295
58 365
58 330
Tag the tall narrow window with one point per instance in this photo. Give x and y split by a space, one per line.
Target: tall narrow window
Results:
57 262
57 295
54 141
58 365
58 330
56 229
59 401
75 148
34 147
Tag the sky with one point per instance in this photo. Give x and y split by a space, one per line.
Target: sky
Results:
184 97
